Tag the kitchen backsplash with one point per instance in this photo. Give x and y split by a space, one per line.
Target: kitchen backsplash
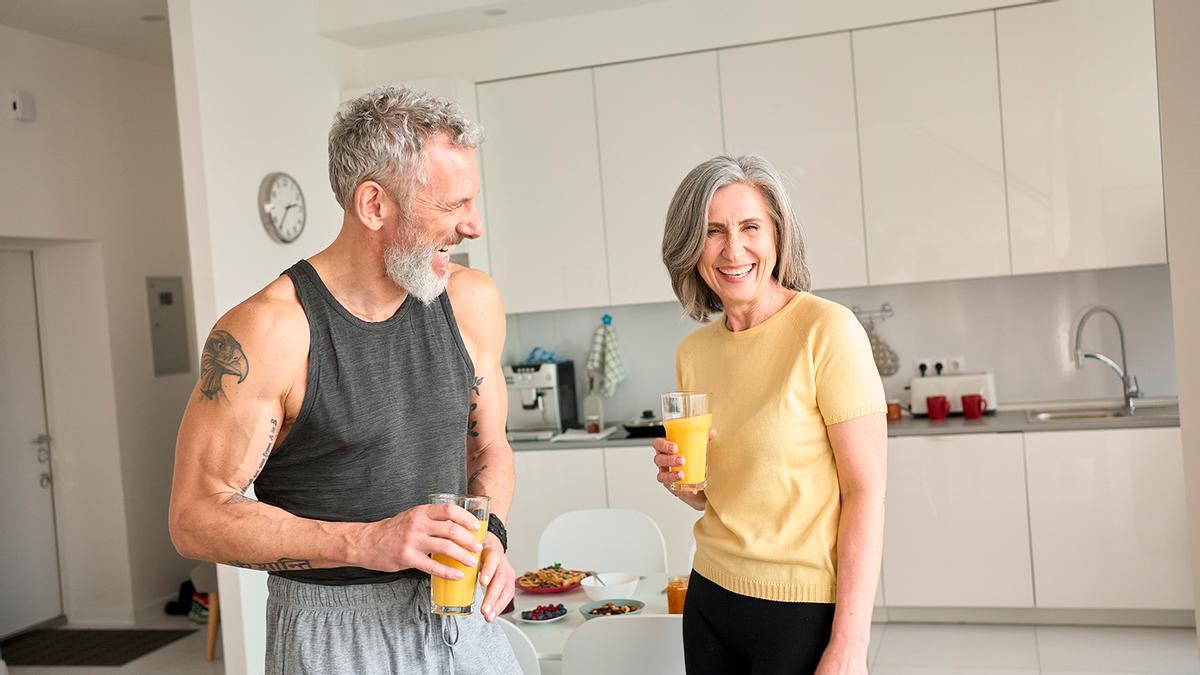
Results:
1021 328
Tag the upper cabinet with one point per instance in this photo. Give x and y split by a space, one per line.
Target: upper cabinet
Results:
793 103
1081 140
657 119
541 177
932 162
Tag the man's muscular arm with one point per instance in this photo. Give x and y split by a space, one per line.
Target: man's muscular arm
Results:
490 470
231 425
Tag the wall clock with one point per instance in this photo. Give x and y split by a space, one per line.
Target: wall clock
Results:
281 207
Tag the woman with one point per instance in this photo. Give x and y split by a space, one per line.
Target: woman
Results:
788 549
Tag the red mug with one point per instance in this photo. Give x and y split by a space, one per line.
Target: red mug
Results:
937 406
974 406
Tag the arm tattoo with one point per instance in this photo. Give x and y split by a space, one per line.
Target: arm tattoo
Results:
471 421
274 566
474 477
222 356
266 454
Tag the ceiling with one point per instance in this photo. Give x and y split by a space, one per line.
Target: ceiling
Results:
115 26
373 23
112 26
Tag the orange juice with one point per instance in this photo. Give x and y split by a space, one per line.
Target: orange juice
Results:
690 434
457 593
676 593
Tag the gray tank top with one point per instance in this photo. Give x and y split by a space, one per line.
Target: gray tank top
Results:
384 420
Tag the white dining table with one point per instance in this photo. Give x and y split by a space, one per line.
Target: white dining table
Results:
549 638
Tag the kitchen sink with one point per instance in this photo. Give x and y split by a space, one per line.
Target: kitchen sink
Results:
1068 414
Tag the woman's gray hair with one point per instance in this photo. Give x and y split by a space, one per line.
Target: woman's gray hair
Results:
687 226
380 136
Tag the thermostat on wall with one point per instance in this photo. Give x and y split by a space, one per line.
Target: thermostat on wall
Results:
21 104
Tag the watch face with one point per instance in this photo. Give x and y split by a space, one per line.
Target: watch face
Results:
281 207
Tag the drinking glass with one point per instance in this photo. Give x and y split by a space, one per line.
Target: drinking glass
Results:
676 594
687 419
455 596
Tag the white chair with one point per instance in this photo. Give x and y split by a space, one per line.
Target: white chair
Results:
626 644
604 540
522 647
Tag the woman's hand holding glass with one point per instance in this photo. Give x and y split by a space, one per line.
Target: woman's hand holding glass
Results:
670 470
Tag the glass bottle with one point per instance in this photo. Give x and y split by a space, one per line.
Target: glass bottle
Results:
593 409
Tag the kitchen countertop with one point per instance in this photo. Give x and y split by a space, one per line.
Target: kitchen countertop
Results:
1008 419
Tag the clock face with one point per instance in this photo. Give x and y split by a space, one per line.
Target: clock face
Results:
281 207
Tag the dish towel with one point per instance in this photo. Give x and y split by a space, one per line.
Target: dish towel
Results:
604 360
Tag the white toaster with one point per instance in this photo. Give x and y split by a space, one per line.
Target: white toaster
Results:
953 387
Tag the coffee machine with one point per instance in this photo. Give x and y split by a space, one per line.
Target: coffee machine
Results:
541 400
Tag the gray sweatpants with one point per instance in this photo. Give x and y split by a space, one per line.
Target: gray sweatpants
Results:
377 628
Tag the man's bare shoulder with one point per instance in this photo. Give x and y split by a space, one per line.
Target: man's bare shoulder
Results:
476 301
473 288
269 328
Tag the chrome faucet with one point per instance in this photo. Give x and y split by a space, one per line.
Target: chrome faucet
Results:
1129 384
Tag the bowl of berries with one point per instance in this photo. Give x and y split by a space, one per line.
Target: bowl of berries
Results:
542 614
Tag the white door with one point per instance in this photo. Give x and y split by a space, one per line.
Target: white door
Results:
541 178
657 119
29 588
932 160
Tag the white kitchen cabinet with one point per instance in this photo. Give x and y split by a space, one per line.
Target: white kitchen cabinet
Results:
932 164
632 485
1081 142
793 103
541 178
550 482
956 532
657 120
1108 519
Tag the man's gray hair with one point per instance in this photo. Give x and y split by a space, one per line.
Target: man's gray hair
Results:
687 226
380 136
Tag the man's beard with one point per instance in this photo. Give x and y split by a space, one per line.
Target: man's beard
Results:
412 269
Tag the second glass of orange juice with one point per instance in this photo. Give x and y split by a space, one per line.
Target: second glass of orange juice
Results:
455 596
687 419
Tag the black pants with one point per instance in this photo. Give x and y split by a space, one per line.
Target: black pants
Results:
726 634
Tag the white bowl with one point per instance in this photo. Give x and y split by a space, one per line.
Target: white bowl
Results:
616 585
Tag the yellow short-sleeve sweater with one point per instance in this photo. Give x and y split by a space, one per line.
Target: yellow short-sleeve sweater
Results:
770 528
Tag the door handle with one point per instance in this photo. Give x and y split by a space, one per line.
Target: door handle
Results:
45 480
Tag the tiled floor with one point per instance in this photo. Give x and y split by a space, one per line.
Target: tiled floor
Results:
896 649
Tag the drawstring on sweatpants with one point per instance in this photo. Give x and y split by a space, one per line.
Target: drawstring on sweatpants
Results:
447 625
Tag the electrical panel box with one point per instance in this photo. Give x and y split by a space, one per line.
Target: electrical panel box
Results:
168 325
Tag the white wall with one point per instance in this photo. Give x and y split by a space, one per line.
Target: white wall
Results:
638 32
100 165
1177 22
256 90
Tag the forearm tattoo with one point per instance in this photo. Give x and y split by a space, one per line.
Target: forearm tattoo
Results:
275 566
265 454
222 356
474 477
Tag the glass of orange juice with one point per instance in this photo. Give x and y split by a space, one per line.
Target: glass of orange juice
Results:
687 419
676 593
455 596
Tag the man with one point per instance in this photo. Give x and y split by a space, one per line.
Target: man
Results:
347 391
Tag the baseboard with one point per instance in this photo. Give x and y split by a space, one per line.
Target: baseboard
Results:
1162 618
153 610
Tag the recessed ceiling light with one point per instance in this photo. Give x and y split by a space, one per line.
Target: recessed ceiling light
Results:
495 11
153 18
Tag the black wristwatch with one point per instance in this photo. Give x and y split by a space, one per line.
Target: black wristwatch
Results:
496 527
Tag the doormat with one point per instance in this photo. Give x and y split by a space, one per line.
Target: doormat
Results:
49 647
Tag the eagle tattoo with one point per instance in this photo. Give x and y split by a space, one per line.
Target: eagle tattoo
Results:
222 356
